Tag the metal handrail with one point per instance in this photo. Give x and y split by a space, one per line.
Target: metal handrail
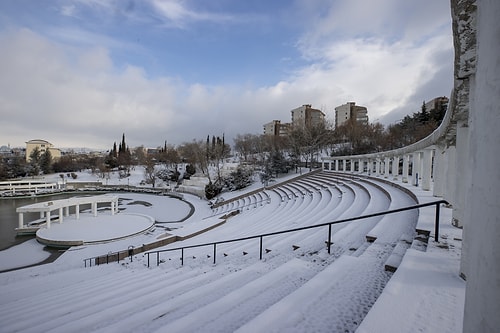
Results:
329 224
97 260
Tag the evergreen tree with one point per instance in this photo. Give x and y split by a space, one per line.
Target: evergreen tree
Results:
123 146
112 159
46 162
34 166
424 114
113 151
240 178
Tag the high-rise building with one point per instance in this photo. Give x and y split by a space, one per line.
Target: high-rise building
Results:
350 110
275 127
306 116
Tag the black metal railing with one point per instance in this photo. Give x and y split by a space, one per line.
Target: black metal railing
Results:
109 257
329 224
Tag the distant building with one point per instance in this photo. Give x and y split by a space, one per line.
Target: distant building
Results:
276 128
303 116
350 110
272 128
42 146
437 105
6 151
306 116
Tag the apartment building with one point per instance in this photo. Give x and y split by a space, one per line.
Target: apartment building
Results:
350 110
277 128
306 116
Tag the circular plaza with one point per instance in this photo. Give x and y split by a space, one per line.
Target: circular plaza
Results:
89 229
80 221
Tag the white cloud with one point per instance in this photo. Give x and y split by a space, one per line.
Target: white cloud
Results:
377 53
179 13
71 92
68 10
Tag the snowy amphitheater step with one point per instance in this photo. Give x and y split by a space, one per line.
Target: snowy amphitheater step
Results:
297 287
393 225
78 309
352 236
243 304
231 291
392 263
335 299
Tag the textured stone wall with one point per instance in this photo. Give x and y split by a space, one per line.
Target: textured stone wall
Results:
464 35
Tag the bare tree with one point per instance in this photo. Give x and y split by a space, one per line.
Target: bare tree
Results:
195 153
149 170
307 141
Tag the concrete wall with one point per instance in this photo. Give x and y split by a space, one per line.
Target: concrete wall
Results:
482 207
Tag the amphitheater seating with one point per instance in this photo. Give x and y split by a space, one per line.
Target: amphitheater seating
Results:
246 292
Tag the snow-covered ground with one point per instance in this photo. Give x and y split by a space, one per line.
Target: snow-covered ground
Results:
297 287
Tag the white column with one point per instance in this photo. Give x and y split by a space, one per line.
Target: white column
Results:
66 211
21 220
112 208
438 172
77 211
42 215
395 167
451 170
60 215
415 173
387 164
462 157
406 163
48 219
336 165
94 208
427 169
377 167
352 165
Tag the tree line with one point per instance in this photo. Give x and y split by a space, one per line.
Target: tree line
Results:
269 155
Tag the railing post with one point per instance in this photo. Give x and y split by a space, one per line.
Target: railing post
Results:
182 257
436 223
157 258
260 257
131 252
329 237
148 259
214 252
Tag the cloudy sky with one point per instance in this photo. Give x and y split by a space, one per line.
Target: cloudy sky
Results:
79 73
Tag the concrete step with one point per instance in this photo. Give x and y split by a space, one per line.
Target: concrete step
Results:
392 263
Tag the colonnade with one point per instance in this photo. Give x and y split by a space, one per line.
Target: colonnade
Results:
418 168
63 207
435 167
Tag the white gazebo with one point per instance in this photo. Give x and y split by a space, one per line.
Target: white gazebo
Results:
63 206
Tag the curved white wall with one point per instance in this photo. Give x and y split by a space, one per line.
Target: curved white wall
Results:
482 206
